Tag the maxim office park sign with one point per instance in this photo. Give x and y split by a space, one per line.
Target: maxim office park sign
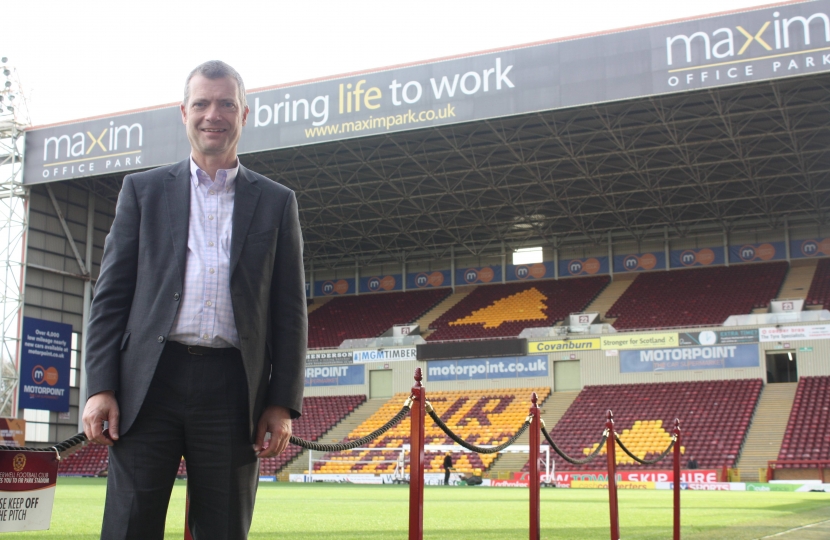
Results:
752 45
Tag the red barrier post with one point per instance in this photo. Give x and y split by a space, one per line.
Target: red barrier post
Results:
535 441
187 535
676 479
417 417
612 477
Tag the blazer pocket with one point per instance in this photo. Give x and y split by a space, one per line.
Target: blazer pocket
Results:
260 237
124 339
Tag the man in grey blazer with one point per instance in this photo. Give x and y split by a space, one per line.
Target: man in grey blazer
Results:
198 330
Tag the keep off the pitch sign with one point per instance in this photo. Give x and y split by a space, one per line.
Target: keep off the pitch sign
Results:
753 45
27 490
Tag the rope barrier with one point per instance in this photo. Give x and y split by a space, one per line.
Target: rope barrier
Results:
646 461
472 447
339 447
568 458
62 446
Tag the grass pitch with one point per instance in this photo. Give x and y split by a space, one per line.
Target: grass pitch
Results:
332 511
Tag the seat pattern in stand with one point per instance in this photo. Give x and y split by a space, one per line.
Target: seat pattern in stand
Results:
481 417
819 294
697 296
714 419
806 437
505 310
368 316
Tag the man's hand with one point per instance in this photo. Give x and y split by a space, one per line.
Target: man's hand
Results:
275 420
100 407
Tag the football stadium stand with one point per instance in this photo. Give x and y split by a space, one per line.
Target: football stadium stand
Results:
320 414
367 316
504 310
481 417
697 296
714 418
819 294
806 437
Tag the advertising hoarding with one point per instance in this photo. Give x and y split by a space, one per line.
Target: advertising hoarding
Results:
335 375
770 251
44 365
687 258
381 283
795 333
618 342
561 345
718 337
640 262
384 355
686 358
525 272
334 287
428 280
487 368
484 274
583 267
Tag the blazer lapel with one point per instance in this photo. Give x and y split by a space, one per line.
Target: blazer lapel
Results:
246 197
177 196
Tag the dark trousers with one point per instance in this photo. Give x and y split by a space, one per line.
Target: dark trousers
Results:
446 477
196 407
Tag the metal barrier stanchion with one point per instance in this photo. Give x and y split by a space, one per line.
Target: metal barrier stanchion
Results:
535 436
612 478
676 479
416 459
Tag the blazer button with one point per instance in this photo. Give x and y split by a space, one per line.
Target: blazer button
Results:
161 339
176 297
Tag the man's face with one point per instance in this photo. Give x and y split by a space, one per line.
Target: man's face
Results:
214 116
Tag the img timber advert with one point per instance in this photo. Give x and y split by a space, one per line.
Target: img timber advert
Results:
742 47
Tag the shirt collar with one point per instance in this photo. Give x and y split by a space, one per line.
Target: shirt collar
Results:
228 174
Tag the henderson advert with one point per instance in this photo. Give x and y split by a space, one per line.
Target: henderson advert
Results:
744 47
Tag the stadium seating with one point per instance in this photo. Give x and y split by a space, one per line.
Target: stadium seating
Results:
320 414
506 309
368 316
698 296
481 417
714 418
806 437
819 294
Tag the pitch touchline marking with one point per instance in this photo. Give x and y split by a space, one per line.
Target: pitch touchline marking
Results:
782 533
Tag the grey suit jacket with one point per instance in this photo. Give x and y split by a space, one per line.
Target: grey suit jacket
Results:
142 277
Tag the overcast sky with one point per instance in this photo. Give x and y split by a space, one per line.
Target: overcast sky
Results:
81 58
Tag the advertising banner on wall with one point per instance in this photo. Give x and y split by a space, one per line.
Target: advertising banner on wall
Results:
564 478
795 333
583 267
487 368
427 280
524 272
686 358
381 283
334 287
321 358
561 345
485 274
27 490
384 355
639 341
770 251
747 46
640 262
12 432
44 365
811 247
686 258
335 375
718 337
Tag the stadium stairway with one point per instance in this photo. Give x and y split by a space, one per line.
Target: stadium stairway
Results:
610 294
445 305
798 280
552 410
318 303
763 440
339 432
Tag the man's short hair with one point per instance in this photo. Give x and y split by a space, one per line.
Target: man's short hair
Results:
216 69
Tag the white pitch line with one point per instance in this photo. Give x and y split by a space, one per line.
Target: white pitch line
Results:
782 533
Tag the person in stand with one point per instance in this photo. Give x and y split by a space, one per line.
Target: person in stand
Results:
198 330
447 468
692 463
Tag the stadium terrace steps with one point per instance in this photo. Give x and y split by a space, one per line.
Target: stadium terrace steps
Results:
799 278
318 303
447 304
697 296
610 294
299 464
763 440
368 316
819 294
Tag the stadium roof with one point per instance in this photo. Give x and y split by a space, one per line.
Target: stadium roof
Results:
736 157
